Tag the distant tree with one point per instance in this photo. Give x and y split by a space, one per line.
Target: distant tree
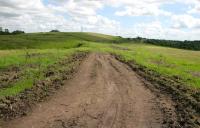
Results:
54 31
138 38
1 30
190 45
6 30
18 32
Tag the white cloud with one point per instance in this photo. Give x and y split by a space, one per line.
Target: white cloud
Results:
149 7
33 16
185 21
153 29
84 13
71 15
195 9
156 30
75 8
151 10
143 7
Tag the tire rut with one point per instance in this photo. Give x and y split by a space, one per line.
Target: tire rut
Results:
105 93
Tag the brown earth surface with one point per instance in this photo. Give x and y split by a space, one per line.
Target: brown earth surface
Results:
105 93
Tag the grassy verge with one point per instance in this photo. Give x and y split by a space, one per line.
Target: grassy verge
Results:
180 64
32 66
17 100
186 101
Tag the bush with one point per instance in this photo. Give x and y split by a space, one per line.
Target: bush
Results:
54 31
18 32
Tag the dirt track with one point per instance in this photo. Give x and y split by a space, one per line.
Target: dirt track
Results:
105 93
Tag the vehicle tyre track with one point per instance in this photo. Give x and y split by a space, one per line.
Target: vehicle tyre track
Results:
105 93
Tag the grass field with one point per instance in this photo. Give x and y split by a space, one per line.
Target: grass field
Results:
33 53
176 63
181 64
51 40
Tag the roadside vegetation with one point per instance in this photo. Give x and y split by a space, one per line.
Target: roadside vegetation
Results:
179 64
20 69
182 65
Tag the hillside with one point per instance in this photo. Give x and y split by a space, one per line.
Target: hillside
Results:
52 40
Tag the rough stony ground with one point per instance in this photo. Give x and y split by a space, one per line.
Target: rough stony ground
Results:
105 93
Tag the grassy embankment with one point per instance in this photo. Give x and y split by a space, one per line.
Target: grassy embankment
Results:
33 53
176 63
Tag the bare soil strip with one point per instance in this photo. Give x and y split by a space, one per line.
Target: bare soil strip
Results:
105 93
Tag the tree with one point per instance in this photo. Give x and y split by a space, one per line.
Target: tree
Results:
6 30
54 31
18 32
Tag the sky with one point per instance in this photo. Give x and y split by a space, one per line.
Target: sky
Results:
159 19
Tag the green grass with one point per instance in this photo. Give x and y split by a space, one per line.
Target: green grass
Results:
172 62
167 61
51 40
39 63
45 49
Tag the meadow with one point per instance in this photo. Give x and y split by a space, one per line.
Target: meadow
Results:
32 54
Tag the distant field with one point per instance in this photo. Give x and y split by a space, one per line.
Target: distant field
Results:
33 53
51 40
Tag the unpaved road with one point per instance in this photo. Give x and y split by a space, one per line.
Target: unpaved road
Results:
104 94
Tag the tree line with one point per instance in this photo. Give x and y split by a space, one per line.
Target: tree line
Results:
189 45
7 32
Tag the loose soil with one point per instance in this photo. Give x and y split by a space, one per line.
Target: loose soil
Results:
105 93
9 76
